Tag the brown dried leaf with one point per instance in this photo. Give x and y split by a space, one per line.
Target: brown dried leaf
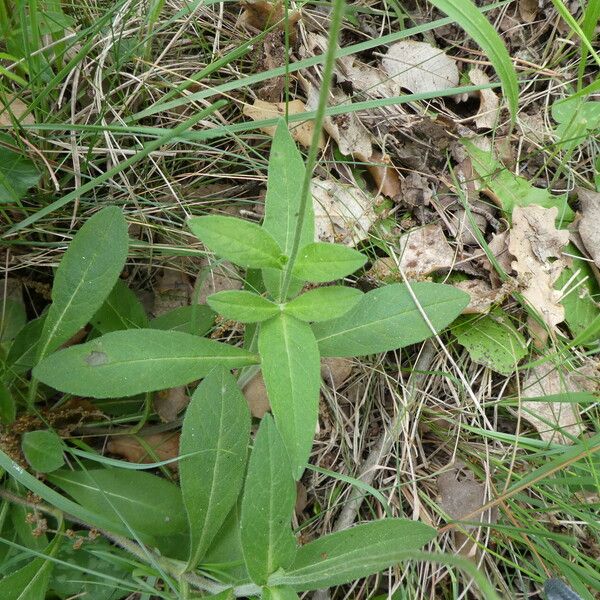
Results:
552 419
367 79
17 108
589 224
482 295
302 131
343 213
262 14
487 115
528 10
383 173
415 190
164 445
461 495
534 241
169 403
425 250
419 67
336 371
256 396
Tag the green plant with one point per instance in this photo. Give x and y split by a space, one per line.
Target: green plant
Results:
235 509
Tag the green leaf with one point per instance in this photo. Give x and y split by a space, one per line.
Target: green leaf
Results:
267 506
241 242
323 304
43 450
243 306
224 595
87 273
320 262
467 15
23 351
511 190
492 341
133 501
279 593
125 363
388 318
282 204
8 408
363 550
197 319
17 174
214 446
121 310
28 583
291 371
13 316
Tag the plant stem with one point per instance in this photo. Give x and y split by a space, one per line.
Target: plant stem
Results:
311 160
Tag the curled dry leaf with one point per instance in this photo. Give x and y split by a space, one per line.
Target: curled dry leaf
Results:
536 244
460 495
17 108
383 173
552 420
498 246
487 115
346 130
134 449
482 295
343 213
419 67
302 131
589 228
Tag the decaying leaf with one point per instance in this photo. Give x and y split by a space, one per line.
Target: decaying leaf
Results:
169 403
487 115
346 130
482 295
302 131
536 244
262 14
364 78
383 173
343 213
528 10
415 190
146 448
460 495
17 108
553 420
498 246
589 224
419 67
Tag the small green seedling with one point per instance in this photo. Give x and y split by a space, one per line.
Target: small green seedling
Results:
231 515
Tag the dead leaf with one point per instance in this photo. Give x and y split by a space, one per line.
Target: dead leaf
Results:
17 108
459 496
343 213
221 277
425 250
383 173
419 67
169 403
164 445
498 246
364 78
415 190
482 295
528 10
346 130
256 396
536 245
552 420
336 371
302 131
487 115
589 228
262 14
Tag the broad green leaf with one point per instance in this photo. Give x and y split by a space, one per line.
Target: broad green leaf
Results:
279 593
388 318
224 595
121 310
43 450
243 306
87 273
125 363
323 304
572 109
13 316
17 174
469 17
492 341
510 189
241 242
363 550
214 445
291 371
8 408
197 319
28 583
320 262
23 351
133 501
282 204
268 503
